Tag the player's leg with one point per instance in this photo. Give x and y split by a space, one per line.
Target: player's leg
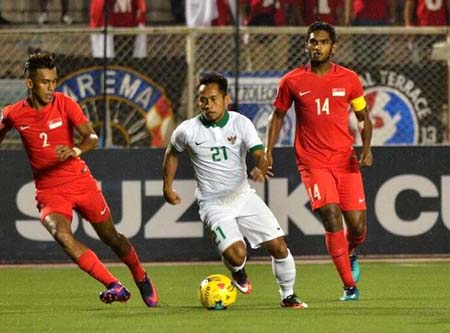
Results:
235 257
284 270
127 254
356 234
260 227
92 205
59 226
220 223
354 210
323 193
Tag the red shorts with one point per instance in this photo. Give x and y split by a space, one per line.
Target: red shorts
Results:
342 186
82 195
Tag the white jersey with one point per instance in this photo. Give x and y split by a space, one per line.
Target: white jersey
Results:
217 151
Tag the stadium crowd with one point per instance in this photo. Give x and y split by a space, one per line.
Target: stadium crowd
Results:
251 12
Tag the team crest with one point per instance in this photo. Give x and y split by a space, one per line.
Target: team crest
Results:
232 139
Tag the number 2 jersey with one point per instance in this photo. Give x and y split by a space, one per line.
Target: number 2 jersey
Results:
41 131
322 136
217 151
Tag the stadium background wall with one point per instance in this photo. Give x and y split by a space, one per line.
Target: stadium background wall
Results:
407 194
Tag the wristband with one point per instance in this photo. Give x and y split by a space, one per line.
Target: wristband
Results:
77 151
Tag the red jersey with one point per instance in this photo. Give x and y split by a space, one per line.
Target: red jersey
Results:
322 136
122 13
268 7
41 131
222 12
321 10
431 13
371 10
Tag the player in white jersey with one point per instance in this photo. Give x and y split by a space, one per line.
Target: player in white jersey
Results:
217 142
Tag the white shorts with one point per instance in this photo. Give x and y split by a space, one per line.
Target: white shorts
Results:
238 215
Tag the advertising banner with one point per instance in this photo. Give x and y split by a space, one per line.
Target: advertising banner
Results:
407 194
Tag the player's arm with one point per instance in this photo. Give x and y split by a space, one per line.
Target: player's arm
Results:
274 126
260 172
170 165
408 12
362 114
88 141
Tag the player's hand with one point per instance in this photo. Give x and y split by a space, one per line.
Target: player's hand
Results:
258 176
172 196
63 152
366 158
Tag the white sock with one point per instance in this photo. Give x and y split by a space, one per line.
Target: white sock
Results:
234 268
284 271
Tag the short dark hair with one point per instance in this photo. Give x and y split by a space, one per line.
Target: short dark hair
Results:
322 26
215 77
38 59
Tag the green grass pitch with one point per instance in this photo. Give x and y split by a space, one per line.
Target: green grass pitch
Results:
395 297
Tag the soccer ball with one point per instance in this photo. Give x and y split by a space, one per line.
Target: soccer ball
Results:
217 292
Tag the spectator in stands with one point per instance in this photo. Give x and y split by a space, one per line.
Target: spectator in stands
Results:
370 12
177 8
426 13
43 17
263 12
121 13
329 11
201 13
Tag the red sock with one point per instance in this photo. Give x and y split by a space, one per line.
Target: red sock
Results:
338 249
90 263
354 241
133 263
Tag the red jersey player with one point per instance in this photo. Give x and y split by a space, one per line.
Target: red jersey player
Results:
322 93
45 121
427 13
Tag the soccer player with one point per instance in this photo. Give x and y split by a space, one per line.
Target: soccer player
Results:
322 93
217 142
45 121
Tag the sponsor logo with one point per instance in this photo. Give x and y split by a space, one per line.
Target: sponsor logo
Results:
23 128
103 211
303 93
199 143
136 113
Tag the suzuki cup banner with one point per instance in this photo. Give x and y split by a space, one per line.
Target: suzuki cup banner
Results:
407 194
404 108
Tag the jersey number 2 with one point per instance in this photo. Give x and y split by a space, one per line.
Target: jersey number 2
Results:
44 138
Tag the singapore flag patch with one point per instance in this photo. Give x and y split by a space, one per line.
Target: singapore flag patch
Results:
55 123
338 91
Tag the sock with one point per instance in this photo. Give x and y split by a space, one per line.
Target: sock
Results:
354 241
337 247
90 263
284 271
133 263
234 268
